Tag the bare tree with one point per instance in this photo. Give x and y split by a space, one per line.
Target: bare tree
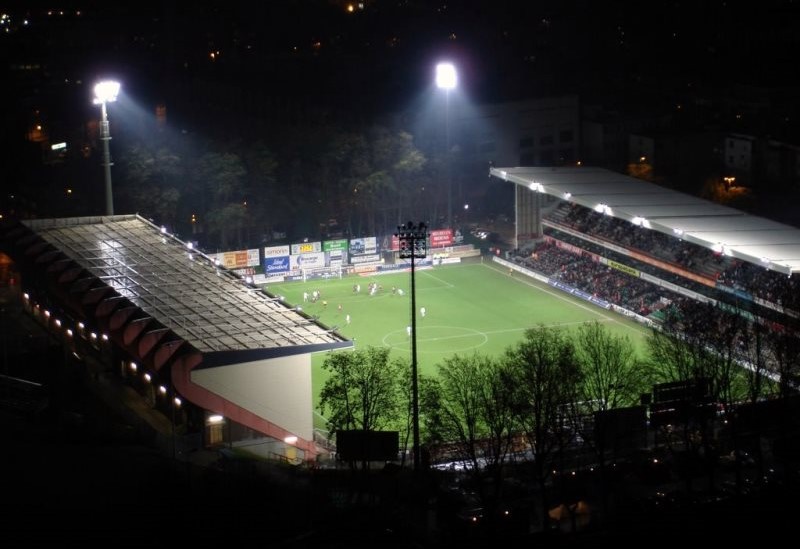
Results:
612 378
608 361
547 379
469 406
468 409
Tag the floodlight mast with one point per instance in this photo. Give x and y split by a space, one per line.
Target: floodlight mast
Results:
447 79
106 92
413 244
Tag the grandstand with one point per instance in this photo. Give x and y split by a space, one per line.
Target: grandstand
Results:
222 359
723 230
647 251
700 249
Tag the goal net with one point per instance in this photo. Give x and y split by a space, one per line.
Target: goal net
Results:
321 273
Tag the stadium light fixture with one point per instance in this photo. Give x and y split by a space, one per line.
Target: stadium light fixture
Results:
106 92
413 245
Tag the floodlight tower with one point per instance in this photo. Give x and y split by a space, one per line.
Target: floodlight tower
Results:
413 244
447 79
106 92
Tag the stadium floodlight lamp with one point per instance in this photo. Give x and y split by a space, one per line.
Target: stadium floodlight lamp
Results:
446 76
106 92
567 195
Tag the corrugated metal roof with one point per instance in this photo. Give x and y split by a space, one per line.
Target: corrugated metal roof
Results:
757 240
206 305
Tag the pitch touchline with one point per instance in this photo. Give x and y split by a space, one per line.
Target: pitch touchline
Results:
554 294
509 330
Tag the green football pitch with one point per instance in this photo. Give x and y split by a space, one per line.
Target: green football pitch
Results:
475 306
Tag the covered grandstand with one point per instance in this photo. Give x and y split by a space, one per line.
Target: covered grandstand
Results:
768 244
182 330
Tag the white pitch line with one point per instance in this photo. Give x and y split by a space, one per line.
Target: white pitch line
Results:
447 284
509 330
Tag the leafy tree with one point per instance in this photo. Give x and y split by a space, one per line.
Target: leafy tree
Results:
220 178
151 182
262 193
363 390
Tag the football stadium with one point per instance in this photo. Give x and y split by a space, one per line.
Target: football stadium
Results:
228 346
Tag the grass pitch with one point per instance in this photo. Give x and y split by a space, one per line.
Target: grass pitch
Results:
475 306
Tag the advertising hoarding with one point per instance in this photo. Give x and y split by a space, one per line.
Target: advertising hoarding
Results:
306 248
307 261
277 251
360 246
276 265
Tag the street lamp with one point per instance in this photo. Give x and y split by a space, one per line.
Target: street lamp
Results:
106 92
413 244
447 79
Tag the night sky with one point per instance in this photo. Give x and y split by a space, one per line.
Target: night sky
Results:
631 58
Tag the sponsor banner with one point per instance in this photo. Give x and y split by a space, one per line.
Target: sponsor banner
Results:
677 289
238 259
441 237
579 293
358 259
624 268
334 246
277 251
741 294
274 265
448 260
262 279
564 246
361 246
247 271
365 268
774 307
307 261
306 248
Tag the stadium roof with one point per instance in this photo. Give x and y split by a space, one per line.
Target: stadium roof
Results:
225 345
758 240
201 302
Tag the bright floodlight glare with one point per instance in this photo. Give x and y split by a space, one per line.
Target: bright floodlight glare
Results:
446 76
106 91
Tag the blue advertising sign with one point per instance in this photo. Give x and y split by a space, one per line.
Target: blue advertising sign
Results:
274 265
